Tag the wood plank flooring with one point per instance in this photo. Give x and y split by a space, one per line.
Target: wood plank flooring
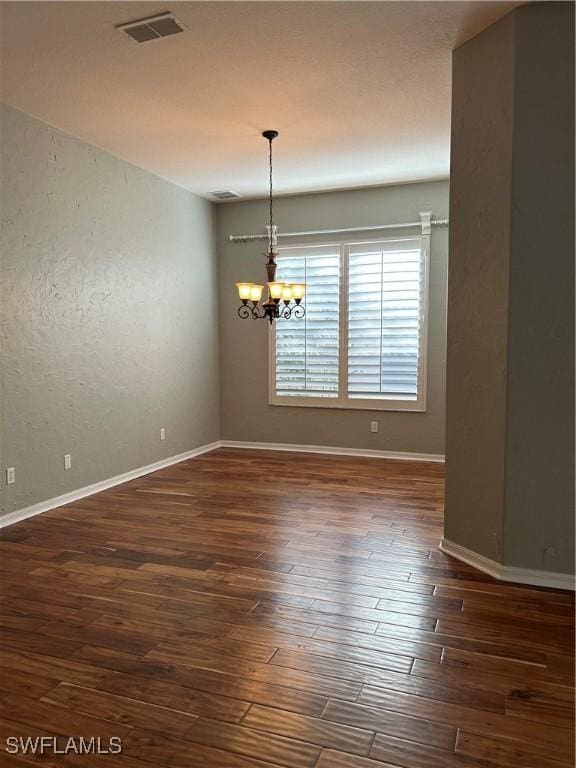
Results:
252 609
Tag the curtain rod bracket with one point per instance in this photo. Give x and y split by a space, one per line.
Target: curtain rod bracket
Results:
426 220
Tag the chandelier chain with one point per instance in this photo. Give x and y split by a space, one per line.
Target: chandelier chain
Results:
271 235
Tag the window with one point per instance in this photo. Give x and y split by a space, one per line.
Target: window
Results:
308 350
362 342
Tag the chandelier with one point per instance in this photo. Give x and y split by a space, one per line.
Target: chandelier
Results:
284 299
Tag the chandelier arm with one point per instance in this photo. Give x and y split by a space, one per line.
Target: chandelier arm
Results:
256 312
298 311
244 311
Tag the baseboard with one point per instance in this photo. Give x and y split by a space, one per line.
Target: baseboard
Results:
67 498
507 572
330 450
484 564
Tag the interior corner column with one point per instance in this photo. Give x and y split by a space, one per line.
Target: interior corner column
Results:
510 375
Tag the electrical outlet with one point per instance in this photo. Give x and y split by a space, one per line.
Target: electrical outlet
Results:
162 434
10 476
373 426
67 461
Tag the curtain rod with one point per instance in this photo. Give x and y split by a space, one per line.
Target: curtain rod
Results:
426 222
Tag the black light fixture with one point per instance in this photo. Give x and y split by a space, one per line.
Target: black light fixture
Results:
280 295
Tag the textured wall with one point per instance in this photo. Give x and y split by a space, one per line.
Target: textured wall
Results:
510 377
109 298
245 413
539 520
480 188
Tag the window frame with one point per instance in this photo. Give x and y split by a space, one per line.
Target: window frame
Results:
343 401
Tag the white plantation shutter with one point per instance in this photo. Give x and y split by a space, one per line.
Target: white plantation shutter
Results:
307 350
362 342
385 315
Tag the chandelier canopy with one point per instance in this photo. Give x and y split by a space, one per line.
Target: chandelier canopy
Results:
284 299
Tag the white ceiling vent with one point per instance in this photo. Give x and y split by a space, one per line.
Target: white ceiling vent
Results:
224 194
143 30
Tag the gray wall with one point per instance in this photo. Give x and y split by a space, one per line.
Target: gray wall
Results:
245 413
539 519
510 380
104 268
480 189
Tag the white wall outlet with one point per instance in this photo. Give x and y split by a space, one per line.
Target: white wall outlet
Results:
10 476
373 426
162 434
68 461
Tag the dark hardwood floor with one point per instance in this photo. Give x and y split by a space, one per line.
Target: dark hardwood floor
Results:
251 609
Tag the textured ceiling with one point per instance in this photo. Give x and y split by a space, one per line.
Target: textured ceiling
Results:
360 91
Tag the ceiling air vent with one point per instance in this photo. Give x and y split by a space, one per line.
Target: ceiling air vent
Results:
224 194
143 30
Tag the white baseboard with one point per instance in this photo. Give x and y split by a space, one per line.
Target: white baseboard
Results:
67 498
484 564
507 572
327 449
